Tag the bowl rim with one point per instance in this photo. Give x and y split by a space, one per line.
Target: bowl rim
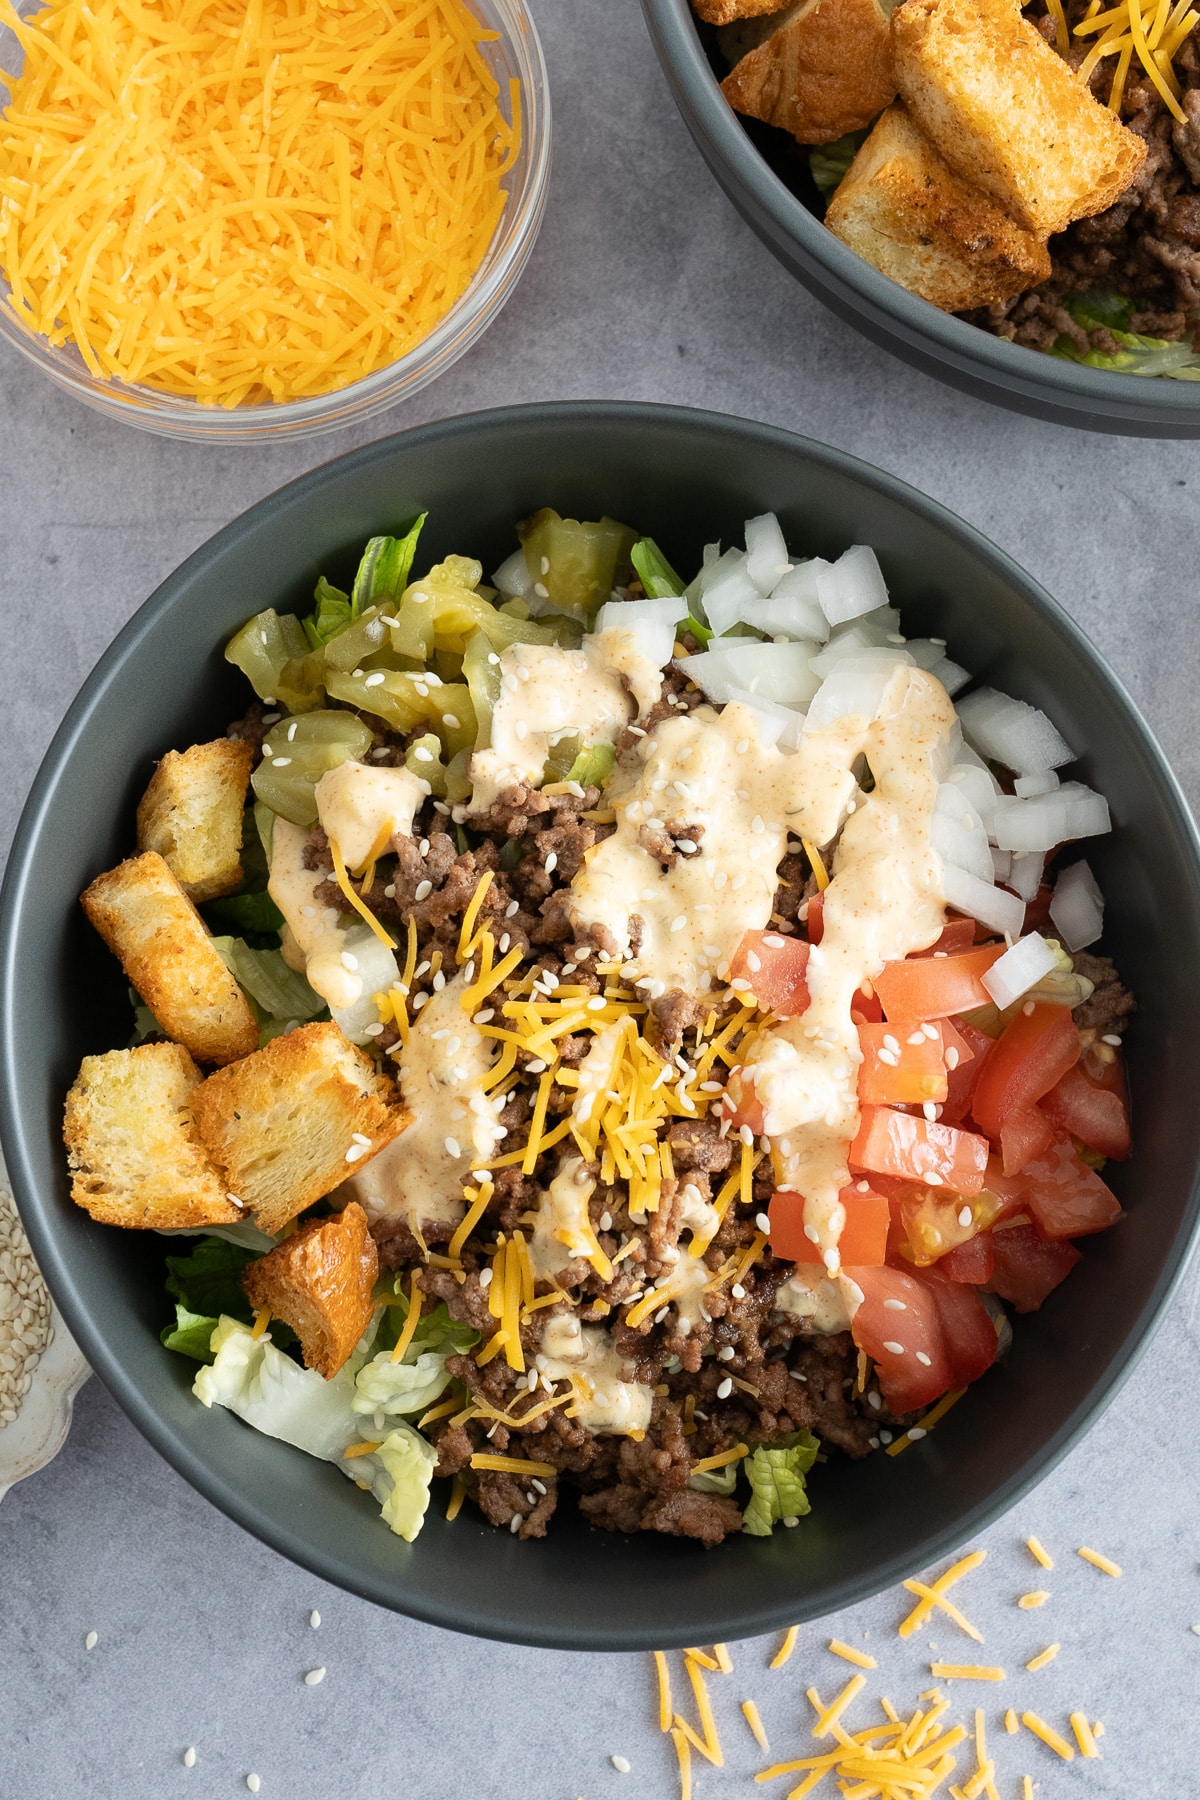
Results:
69 1290
503 262
966 347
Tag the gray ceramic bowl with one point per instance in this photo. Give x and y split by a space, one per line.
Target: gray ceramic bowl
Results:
766 176
685 477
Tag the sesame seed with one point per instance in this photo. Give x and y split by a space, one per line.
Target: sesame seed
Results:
349 960
281 762
189 1757
513 906
811 1233
360 1137
873 1399
933 1178
894 1349
452 1147
725 1389
832 1260
965 1217
551 863
951 1057
762 1221
922 1359
896 1305
931 1110
91 1640
790 1522
917 1039
621 1764
891 1043
354 1153
746 1136
738 1291
253 1783
423 890
889 1057
915 1433
514 1524
482 1018
726 1353
1027 1009
757 826
314 1618
885 1437
314 1678
929 1031
541 590
375 678
485 1278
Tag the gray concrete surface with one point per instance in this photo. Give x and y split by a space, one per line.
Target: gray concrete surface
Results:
646 285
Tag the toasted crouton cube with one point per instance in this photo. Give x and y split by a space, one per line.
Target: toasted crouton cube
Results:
902 208
287 1124
724 12
319 1282
825 70
192 815
1007 114
131 1145
147 920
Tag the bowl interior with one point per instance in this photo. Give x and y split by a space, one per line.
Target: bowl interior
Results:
514 54
686 478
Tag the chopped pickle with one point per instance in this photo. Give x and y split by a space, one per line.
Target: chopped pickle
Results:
481 672
297 752
264 646
357 641
593 766
574 563
423 758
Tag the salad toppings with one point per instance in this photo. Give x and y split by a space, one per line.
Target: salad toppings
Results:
296 199
715 1138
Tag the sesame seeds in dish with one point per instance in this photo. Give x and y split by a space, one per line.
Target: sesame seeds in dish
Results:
25 1328
606 1034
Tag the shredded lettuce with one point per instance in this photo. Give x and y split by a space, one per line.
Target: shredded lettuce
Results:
332 614
281 993
829 163
716 1481
398 1474
385 568
144 1022
404 1387
206 1284
657 576
1138 355
776 1479
247 914
191 1333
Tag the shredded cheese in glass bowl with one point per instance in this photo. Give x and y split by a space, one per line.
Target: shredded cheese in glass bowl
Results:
245 220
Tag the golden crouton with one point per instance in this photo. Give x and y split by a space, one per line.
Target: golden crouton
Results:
905 211
1007 114
192 815
723 12
287 1124
147 920
131 1146
319 1282
825 70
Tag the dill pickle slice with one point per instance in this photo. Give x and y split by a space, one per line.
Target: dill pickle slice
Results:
297 752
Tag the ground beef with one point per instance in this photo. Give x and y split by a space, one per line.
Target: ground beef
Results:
672 1014
1146 248
254 724
1109 1010
697 1144
797 885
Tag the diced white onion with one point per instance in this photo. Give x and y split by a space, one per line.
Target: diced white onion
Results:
513 578
992 906
726 589
1013 733
957 832
952 675
376 969
767 559
777 724
1001 864
1077 908
848 693
1025 873
854 585
846 655
980 788
780 672
624 613
1071 811
654 639
1028 787
1019 969
793 605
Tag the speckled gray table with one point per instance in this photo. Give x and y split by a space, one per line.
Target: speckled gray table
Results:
644 285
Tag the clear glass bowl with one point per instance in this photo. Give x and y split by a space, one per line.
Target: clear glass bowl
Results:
515 54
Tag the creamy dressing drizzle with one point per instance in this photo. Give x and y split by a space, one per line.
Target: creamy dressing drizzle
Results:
884 901
562 1220
712 770
819 1301
356 804
442 1065
313 939
608 1401
547 693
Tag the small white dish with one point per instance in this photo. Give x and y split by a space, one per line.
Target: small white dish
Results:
39 1431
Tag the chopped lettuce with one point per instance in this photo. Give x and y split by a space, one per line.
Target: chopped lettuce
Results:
144 1022
657 576
247 914
191 1333
716 1481
1138 355
385 568
829 163
280 992
404 1387
593 766
436 1331
776 1479
398 1474
206 1284
332 614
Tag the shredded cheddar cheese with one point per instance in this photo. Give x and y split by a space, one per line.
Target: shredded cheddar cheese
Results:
1151 30
966 1672
849 1654
1084 1736
754 1721
1039 1553
248 200
1048 1735
262 1319
935 1596
785 1649
1043 1657
511 1465
1031 1601
665 1709
1099 1562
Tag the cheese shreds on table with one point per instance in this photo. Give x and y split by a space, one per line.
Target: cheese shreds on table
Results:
1043 1657
1097 1561
785 1649
244 203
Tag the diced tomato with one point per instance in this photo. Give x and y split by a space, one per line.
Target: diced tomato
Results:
901 1066
1024 1134
936 987
1096 1112
747 1108
961 1079
971 1262
1037 912
1027 1268
774 966
934 1222
864 1235
917 1149
957 934
865 1009
1032 1053
924 1334
903 1340
1064 1197
816 916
